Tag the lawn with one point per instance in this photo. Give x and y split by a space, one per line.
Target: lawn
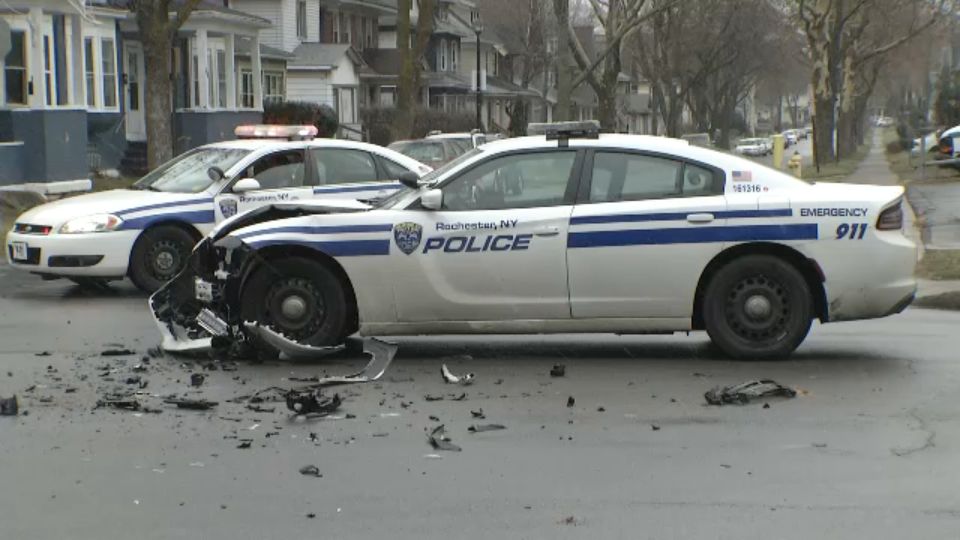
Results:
939 264
836 170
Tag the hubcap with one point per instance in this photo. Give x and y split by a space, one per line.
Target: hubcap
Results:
293 307
758 309
165 259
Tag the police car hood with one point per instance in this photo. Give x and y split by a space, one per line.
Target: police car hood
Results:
116 201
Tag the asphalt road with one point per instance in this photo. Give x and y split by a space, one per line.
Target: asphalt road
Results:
868 450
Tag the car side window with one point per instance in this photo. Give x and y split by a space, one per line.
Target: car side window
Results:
525 180
278 170
392 169
343 166
629 177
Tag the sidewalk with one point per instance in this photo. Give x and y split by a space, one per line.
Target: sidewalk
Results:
875 170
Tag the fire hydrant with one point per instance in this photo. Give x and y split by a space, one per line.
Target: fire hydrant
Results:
795 164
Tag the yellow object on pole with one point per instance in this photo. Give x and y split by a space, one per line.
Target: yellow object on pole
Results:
795 164
778 151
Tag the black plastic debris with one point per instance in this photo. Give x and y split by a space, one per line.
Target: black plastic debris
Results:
244 444
571 402
655 427
119 402
42 353
192 404
9 406
432 397
439 440
461 397
258 408
196 379
478 414
117 352
740 394
135 379
434 418
312 402
450 378
311 470
480 428
558 370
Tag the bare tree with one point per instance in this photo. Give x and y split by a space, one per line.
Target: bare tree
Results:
410 84
158 22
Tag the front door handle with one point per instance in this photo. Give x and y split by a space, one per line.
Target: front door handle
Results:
547 230
700 218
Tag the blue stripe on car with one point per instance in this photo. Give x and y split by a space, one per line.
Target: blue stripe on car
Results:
350 189
198 216
679 216
338 229
164 205
349 248
692 235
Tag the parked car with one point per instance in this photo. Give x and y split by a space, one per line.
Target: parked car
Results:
146 232
468 140
613 233
698 139
947 144
789 138
752 147
884 121
434 153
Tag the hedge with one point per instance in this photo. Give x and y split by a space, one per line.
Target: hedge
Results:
302 113
378 123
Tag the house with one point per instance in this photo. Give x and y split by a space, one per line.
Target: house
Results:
73 93
332 46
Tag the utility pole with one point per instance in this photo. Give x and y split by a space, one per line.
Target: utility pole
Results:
478 29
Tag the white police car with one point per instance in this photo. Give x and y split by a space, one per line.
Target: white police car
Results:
610 233
147 231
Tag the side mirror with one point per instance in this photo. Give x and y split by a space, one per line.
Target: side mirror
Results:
409 179
432 199
246 184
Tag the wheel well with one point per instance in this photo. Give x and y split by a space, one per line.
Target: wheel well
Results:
808 268
270 253
189 229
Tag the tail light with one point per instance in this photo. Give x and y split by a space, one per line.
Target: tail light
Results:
891 219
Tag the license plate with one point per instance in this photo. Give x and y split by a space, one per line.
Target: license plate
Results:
19 251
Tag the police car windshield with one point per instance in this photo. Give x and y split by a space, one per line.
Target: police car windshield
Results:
428 179
188 173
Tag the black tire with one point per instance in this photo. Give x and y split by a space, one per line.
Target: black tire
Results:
758 307
317 295
159 255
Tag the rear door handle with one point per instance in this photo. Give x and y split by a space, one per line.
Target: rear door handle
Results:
700 218
547 230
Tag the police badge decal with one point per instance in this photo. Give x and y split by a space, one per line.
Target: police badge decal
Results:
228 207
407 235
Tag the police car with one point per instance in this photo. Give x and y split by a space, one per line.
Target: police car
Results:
147 231
612 233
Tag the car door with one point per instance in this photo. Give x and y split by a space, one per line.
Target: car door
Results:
643 229
283 175
488 254
349 173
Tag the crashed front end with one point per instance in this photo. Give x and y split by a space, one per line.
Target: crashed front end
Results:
199 310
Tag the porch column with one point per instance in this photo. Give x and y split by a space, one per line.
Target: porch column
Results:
257 72
75 73
38 98
203 69
230 44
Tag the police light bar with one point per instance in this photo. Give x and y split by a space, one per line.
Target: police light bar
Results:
560 131
270 131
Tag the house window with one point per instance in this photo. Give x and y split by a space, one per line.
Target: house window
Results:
15 68
388 96
345 105
302 19
442 61
246 89
336 26
344 27
474 16
369 37
48 71
273 91
551 78
108 72
221 67
552 44
90 75
454 45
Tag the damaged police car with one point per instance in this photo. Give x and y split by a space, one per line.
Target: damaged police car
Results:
609 233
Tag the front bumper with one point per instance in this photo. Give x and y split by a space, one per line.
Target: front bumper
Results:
105 254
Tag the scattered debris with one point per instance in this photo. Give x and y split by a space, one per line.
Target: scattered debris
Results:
571 402
257 408
244 444
135 379
311 515
432 397
196 379
119 402
766 405
312 402
655 427
311 470
192 404
478 414
601 409
9 406
42 353
380 434
439 440
117 352
819 445
498 381
570 520
558 370
461 397
748 391
434 418
450 378
480 428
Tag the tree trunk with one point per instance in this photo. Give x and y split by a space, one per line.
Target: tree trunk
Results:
561 10
823 127
157 101
403 122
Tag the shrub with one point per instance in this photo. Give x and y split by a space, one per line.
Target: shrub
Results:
379 123
302 113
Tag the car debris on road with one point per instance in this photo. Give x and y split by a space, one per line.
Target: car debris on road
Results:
311 470
439 440
450 378
480 428
191 404
558 370
746 392
9 406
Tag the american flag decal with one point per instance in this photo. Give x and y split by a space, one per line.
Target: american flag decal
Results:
742 176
